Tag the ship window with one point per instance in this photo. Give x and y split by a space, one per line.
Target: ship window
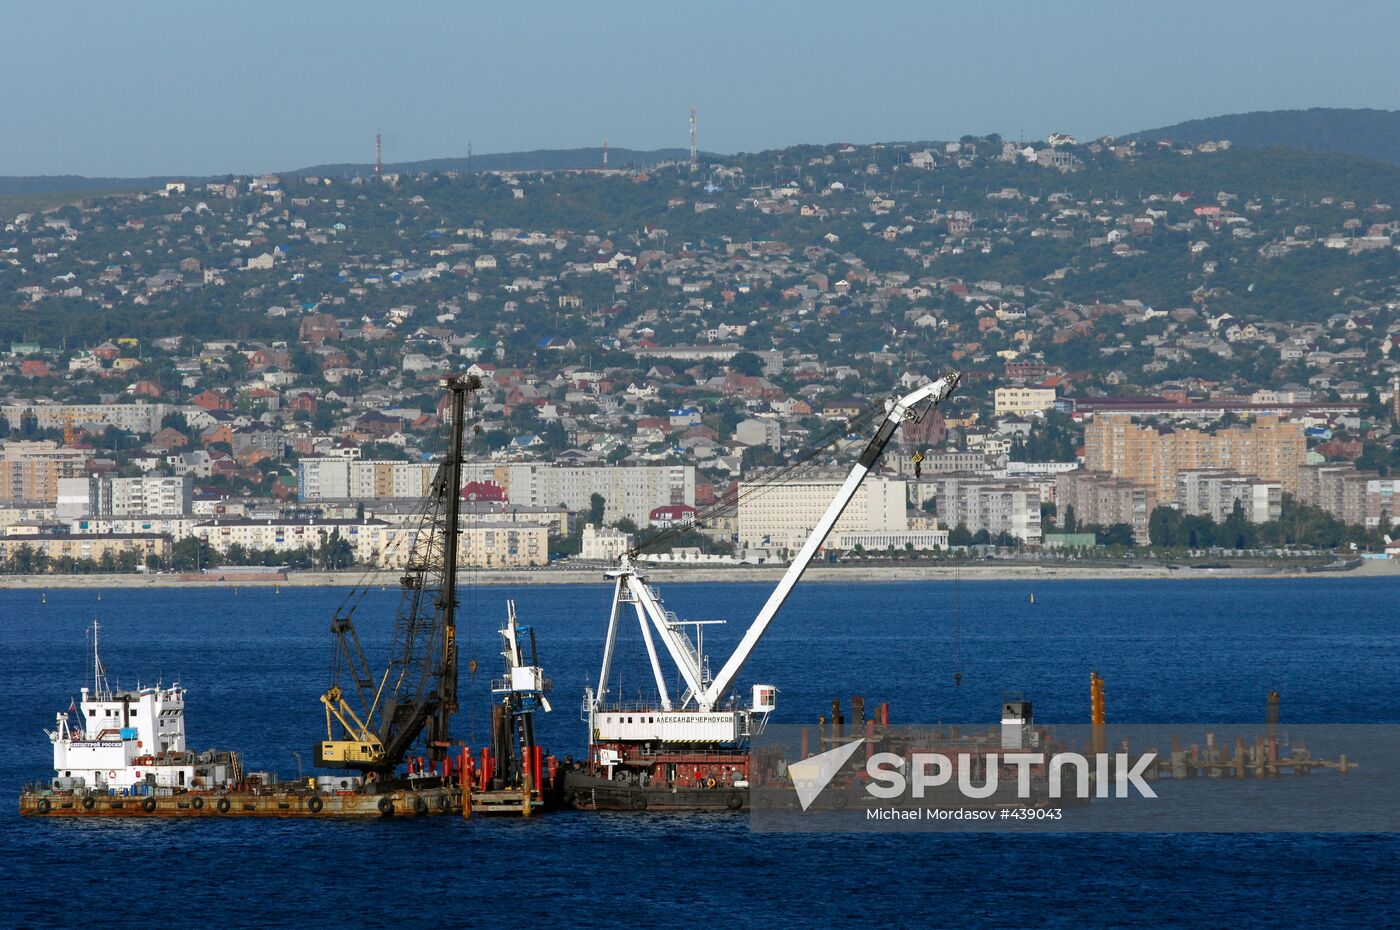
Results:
92 711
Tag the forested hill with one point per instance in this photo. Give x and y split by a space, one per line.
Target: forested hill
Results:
537 160
1368 133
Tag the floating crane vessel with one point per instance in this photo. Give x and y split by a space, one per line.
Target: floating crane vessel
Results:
691 751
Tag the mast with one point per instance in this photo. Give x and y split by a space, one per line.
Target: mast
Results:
99 674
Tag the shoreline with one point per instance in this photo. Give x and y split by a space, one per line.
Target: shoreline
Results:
850 574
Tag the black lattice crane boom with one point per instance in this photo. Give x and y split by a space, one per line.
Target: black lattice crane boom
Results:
373 722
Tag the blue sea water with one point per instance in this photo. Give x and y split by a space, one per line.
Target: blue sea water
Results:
256 660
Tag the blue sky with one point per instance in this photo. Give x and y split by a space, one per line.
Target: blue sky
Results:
202 88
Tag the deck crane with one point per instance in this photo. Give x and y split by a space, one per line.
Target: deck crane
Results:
705 695
374 719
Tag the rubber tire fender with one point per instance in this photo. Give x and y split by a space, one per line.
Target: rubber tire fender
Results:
44 806
223 805
148 805
386 806
734 802
197 803
89 803
420 807
639 802
315 804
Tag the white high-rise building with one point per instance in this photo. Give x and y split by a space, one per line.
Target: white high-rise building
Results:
782 516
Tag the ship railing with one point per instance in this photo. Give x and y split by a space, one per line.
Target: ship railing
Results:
653 707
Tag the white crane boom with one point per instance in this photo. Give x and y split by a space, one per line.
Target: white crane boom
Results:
896 412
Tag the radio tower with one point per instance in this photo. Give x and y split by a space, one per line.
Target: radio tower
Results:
378 157
605 154
694 161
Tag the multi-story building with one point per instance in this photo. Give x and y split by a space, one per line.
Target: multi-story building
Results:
494 544
31 471
175 526
285 534
760 432
1100 499
106 496
94 547
604 543
330 478
1350 495
997 505
133 418
935 463
1022 401
628 491
1214 492
149 494
877 542
480 545
1269 448
782 516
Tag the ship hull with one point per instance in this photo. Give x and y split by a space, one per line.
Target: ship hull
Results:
592 793
427 802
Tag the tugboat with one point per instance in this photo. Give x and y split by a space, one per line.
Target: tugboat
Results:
692 752
125 750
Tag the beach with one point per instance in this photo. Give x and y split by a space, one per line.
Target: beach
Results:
844 573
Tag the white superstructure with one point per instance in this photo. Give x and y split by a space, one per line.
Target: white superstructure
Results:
122 739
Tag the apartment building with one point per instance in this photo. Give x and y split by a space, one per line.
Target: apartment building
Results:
1214 492
1269 448
1022 401
1357 497
284 534
107 496
981 502
31 470
377 542
133 418
630 491
334 478
94 547
1100 499
760 432
782 516
480 545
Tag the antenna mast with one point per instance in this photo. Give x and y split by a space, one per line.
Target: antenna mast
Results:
694 161
99 674
378 157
